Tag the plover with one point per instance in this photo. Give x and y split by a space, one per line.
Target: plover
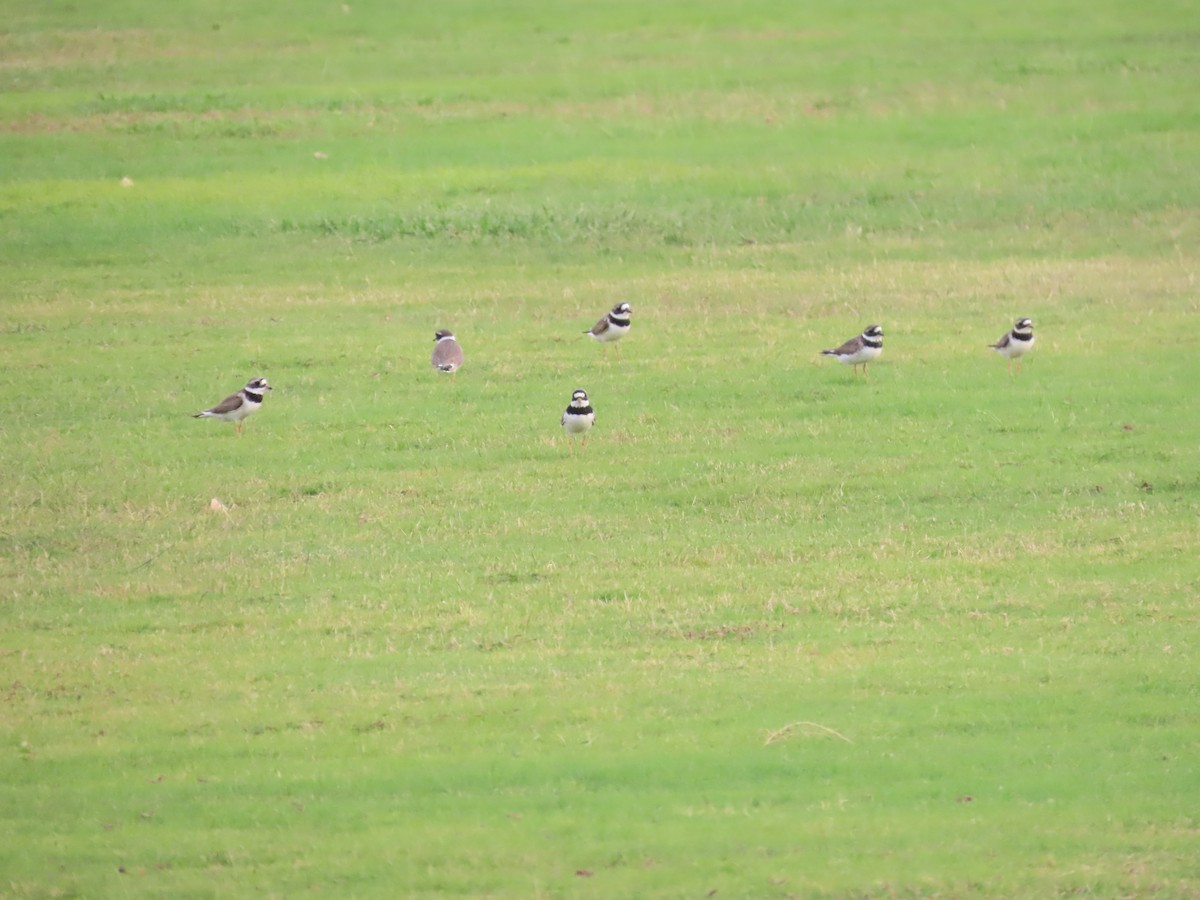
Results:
1016 343
236 407
613 326
447 353
579 418
860 350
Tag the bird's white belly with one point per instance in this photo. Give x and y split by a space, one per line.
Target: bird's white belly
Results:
1015 349
577 424
612 333
241 412
863 355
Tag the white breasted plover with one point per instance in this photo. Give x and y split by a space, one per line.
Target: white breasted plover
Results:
579 418
447 353
860 350
614 325
1016 343
236 407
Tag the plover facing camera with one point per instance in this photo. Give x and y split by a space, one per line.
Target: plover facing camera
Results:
578 419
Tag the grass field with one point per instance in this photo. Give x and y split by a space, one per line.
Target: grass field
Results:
780 631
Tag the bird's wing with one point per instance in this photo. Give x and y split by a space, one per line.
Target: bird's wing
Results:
851 346
600 327
228 405
447 353
1003 342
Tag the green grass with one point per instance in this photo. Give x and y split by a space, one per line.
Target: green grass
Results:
780 632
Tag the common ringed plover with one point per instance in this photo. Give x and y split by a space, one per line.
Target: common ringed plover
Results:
447 352
613 326
860 350
579 418
236 407
1016 343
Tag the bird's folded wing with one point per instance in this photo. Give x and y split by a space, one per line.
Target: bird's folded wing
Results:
228 405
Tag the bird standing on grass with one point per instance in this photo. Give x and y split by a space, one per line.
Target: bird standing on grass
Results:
860 350
236 407
578 419
613 326
1016 343
447 353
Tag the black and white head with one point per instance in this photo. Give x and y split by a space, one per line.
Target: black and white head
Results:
621 311
1023 330
579 399
873 335
257 386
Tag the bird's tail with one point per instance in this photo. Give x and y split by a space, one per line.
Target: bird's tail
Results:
199 415
829 353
